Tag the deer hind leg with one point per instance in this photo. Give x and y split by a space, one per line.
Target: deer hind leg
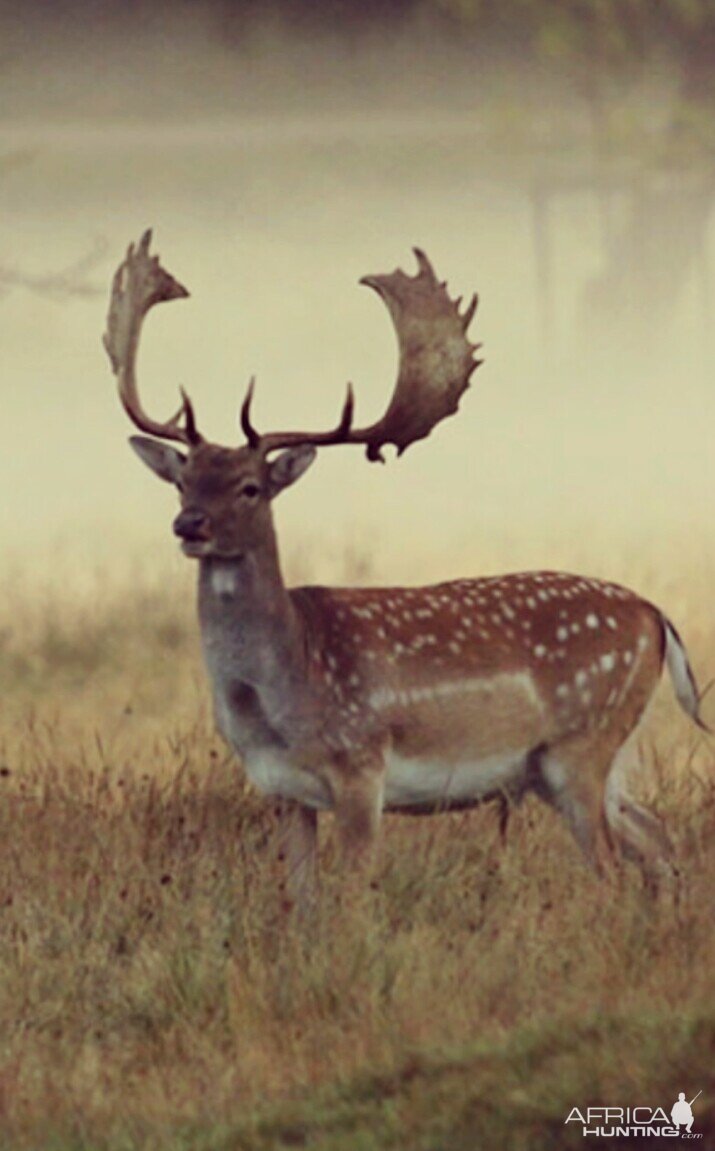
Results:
638 833
572 779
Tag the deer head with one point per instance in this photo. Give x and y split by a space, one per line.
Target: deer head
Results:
226 493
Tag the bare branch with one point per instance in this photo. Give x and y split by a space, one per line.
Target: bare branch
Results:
70 281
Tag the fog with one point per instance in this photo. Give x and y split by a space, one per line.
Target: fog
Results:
277 170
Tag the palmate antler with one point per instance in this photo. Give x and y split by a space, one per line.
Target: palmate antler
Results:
139 283
436 362
436 358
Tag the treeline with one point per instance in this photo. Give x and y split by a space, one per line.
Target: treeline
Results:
598 38
591 40
627 28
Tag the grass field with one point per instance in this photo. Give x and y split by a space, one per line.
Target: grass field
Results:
155 995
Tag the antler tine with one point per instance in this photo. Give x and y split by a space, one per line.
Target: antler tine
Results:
341 433
346 418
468 313
247 427
139 283
192 433
436 363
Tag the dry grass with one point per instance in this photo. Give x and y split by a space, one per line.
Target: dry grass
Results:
154 995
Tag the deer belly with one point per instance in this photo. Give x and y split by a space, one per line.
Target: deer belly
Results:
430 784
273 774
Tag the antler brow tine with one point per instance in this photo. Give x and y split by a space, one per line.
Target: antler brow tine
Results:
247 427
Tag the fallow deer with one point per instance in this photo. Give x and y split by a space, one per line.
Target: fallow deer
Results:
412 699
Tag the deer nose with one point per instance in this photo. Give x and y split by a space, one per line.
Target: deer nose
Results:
191 524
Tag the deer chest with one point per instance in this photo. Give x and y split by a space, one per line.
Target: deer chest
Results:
268 760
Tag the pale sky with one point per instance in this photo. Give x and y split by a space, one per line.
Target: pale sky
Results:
270 219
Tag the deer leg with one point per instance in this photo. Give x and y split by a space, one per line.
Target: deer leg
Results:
573 775
504 813
357 803
639 834
297 849
642 838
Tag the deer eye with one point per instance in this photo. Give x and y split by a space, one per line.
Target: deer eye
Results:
250 491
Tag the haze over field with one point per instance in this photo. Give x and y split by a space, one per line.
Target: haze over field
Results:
277 167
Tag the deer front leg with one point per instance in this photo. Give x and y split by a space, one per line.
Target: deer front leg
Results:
298 851
358 789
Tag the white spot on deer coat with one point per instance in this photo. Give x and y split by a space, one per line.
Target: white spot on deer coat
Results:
223 580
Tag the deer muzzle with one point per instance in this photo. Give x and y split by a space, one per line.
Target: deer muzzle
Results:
192 526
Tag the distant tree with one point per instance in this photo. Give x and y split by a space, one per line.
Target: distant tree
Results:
605 50
596 44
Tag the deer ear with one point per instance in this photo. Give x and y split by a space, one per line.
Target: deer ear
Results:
289 467
164 461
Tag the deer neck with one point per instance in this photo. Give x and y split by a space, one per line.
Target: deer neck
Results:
250 630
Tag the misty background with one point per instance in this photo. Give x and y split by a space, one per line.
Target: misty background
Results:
557 158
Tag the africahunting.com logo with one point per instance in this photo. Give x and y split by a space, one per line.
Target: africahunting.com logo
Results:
639 1122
